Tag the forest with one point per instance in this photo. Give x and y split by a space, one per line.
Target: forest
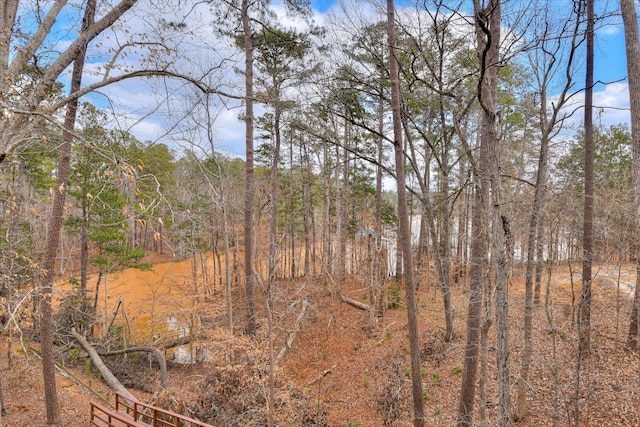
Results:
353 213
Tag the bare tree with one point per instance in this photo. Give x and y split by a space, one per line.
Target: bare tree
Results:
632 41
249 232
15 128
53 232
584 318
486 24
403 219
584 306
545 60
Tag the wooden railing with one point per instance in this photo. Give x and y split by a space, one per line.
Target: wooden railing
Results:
154 416
101 416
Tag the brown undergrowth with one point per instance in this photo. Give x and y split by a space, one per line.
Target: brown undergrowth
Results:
338 373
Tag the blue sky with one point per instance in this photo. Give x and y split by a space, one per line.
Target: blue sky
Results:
322 6
229 131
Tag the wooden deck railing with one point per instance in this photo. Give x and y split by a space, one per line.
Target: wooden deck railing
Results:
101 416
154 416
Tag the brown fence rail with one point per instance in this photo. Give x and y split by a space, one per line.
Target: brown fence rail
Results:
154 416
102 416
132 413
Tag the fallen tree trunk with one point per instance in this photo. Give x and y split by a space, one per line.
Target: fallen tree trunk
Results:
321 376
178 341
157 354
106 373
292 334
358 304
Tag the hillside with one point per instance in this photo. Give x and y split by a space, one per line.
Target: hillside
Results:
339 374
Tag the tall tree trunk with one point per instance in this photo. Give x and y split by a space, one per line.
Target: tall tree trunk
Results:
8 13
273 224
487 55
273 263
539 264
292 209
403 219
249 232
632 336
584 318
478 265
378 289
84 255
444 246
326 225
632 41
584 306
441 249
227 267
501 231
53 234
534 239
306 207
463 220
342 190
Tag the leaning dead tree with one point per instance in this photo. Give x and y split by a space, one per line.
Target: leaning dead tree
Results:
292 334
106 373
154 352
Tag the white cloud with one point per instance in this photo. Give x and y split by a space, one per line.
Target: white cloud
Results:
612 104
611 107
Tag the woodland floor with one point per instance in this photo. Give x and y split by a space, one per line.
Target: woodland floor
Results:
366 374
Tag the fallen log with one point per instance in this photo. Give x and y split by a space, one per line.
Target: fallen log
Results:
157 354
106 373
292 334
357 304
170 343
321 376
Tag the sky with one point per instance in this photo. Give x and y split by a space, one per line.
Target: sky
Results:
134 99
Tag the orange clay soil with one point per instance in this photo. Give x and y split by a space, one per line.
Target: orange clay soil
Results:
350 377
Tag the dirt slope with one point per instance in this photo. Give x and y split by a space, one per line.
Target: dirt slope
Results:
338 374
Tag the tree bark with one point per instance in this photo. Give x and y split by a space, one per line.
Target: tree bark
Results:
249 232
632 336
584 317
342 204
53 233
632 41
84 256
403 219
273 262
441 246
479 232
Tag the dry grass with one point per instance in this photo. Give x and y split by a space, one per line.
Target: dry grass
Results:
339 374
